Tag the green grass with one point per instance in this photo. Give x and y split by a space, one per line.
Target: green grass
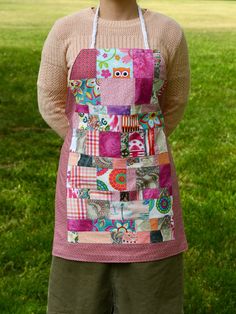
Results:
203 148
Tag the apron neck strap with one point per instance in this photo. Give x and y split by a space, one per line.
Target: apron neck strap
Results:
95 23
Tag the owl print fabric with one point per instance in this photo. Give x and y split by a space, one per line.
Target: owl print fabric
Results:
119 187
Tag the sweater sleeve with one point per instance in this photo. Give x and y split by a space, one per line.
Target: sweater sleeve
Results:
176 95
52 82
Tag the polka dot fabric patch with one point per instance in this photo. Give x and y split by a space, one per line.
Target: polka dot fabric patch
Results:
119 186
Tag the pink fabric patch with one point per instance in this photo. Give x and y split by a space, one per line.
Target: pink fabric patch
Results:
117 91
109 144
82 108
131 179
80 224
143 90
84 66
150 193
165 175
143 63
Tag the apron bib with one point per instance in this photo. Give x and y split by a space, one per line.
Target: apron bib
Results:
119 186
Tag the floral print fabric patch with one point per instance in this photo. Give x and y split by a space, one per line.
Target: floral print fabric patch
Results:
119 187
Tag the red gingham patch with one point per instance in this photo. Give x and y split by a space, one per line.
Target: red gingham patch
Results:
83 177
92 143
76 208
101 195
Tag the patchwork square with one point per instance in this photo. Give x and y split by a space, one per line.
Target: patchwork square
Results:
167 227
143 90
124 144
160 141
86 91
130 123
150 120
92 143
119 163
154 223
138 209
83 121
98 209
110 122
124 196
81 108
119 110
114 63
85 160
73 158
117 92
159 65
109 144
101 195
143 237
150 143
98 109
162 206
111 179
136 144
72 192
163 158
76 208
134 162
150 193
143 63
131 179
84 65
156 88
78 141
83 177
79 225
133 195
156 236
102 162
165 175
142 225
157 62
84 193
147 177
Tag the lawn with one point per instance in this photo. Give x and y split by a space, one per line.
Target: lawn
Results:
203 148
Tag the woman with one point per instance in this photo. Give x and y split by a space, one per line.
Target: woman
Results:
113 83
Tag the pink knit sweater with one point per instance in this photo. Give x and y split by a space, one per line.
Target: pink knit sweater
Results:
66 38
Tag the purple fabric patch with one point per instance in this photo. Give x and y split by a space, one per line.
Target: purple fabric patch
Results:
143 63
79 224
122 110
109 144
82 108
165 175
143 90
150 193
84 66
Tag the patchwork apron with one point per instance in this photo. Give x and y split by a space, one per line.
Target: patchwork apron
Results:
118 185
